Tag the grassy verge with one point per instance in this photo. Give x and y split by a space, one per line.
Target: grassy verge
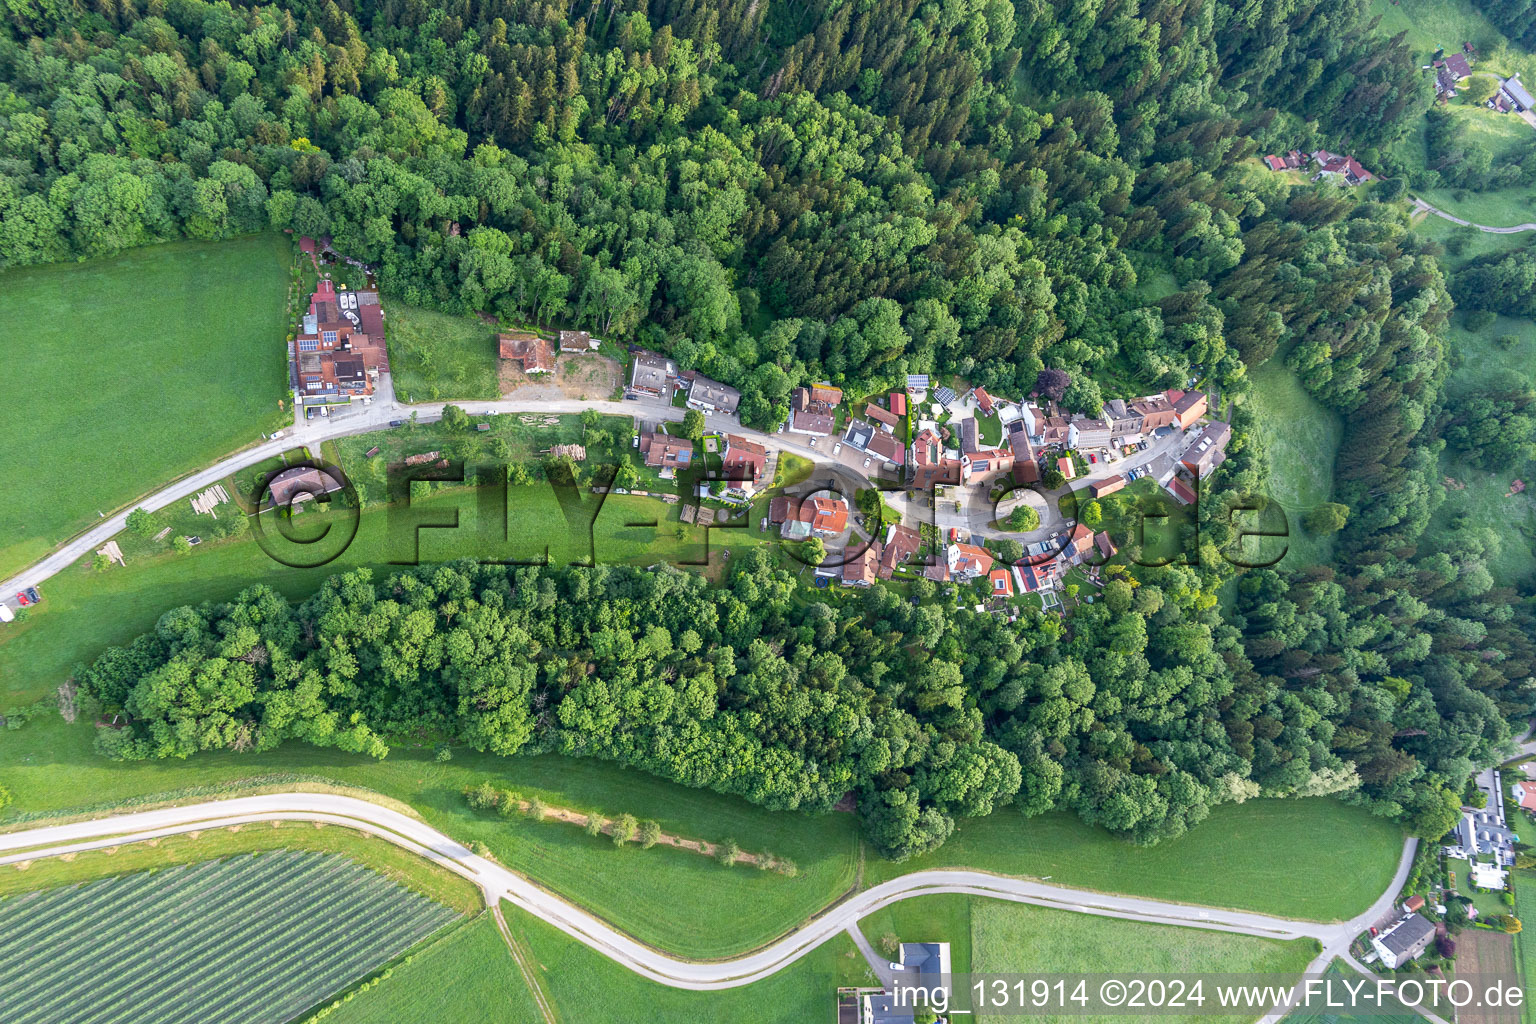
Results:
941 918
1525 945
398 865
1244 856
1012 938
466 976
586 986
139 368
435 356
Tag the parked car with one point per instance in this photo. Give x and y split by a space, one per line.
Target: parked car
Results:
22 598
896 966
837 447
34 595
397 423
866 463
813 442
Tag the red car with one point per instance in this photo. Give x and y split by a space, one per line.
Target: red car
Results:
22 599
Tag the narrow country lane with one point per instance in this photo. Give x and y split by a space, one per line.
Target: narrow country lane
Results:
1424 207
498 882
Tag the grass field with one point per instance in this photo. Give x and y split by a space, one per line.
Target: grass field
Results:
1525 945
1302 439
1449 23
674 899
941 918
248 940
1243 856
1506 523
586 986
467 977
1012 938
1332 1016
139 368
438 356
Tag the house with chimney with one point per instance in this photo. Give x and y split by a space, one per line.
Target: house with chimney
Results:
931 466
1156 412
338 351
651 374
711 396
813 410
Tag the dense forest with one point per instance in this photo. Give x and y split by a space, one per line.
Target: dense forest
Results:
776 192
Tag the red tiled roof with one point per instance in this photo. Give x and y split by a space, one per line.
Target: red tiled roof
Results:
1002 583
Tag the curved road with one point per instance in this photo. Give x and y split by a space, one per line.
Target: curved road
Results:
1421 205
498 882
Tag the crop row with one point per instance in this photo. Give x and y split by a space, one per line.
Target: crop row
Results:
246 940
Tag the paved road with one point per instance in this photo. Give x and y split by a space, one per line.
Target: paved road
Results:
1426 208
498 882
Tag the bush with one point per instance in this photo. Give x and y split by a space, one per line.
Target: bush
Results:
594 825
442 752
1479 320
786 867
890 945
650 833
536 809
729 852
483 797
479 849
509 803
624 829
5 798
140 522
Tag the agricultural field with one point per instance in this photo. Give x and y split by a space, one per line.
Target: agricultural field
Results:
1217 863
1013 938
1487 954
1301 439
465 977
439 356
248 940
586 986
140 368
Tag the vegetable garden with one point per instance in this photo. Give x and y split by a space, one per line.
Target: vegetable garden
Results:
247 940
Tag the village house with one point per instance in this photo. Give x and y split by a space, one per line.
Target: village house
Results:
298 484
924 966
1099 488
930 466
983 465
1208 450
711 396
1026 471
1066 467
1339 168
1087 433
1032 578
898 403
1156 412
820 514
1525 795
577 342
1188 407
1449 72
967 561
1124 425
1404 940
666 453
862 566
743 461
1018 439
338 352
1106 546
1512 95
813 410
1079 543
901 543
651 373
888 421
532 353
1002 583
984 401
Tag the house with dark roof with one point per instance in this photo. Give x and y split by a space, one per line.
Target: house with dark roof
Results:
1188 406
885 447
1515 95
532 353
1404 940
711 396
810 412
930 466
1106 546
1087 433
968 435
298 484
651 373
1208 450
577 342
